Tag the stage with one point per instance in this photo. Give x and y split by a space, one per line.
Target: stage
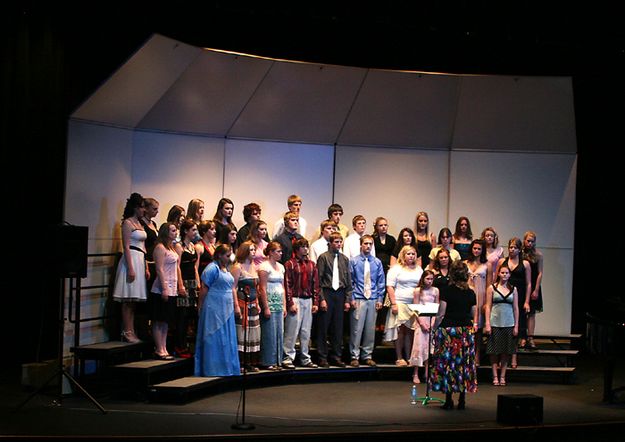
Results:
324 410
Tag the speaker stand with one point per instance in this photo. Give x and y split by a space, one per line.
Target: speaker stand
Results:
61 371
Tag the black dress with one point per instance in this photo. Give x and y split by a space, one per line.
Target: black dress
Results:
423 249
384 251
536 305
517 279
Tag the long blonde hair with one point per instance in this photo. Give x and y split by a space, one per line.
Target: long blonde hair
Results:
401 257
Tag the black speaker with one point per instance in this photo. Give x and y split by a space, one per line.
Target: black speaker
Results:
519 409
69 250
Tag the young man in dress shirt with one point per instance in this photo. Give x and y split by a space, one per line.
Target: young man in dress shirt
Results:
336 293
321 245
351 247
301 283
294 203
368 289
289 235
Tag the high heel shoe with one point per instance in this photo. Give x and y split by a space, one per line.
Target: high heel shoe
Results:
129 336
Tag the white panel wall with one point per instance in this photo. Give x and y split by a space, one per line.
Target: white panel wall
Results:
99 179
131 91
393 183
403 109
515 192
174 169
267 173
515 113
283 109
209 96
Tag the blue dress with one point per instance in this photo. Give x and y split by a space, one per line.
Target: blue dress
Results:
216 342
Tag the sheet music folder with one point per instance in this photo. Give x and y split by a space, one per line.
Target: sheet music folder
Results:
427 309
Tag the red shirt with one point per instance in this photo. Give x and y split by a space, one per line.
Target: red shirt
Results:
301 280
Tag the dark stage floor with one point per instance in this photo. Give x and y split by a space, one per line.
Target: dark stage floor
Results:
375 410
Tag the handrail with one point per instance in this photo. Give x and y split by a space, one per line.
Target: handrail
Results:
76 319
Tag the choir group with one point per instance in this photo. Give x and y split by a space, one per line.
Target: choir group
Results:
236 299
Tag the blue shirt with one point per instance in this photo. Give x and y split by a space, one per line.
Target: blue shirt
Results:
357 270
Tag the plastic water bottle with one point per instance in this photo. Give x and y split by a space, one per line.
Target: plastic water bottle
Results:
413 394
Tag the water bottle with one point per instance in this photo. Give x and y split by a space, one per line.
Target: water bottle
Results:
413 394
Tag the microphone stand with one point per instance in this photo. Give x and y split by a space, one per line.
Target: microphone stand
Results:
245 317
427 399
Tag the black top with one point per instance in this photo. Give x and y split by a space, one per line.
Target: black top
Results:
243 232
459 302
286 240
384 251
150 241
423 249
441 280
187 264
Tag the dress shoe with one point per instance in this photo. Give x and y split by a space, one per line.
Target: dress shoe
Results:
370 362
449 402
310 364
461 404
338 362
323 363
354 363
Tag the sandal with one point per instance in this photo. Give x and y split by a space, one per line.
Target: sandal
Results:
496 382
530 343
502 382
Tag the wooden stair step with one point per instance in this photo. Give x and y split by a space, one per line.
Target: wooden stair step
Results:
548 352
139 375
564 336
102 350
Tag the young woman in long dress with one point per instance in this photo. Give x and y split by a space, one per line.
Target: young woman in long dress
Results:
216 342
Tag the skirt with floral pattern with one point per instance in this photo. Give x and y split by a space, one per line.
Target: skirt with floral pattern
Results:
452 367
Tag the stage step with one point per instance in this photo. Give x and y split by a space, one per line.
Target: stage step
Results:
533 373
138 376
547 357
111 353
191 388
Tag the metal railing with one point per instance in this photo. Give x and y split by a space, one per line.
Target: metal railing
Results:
75 295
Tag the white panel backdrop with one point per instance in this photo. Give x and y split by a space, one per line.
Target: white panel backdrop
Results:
268 172
393 183
175 169
514 193
99 178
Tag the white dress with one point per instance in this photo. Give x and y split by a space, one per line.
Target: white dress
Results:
404 280
125 291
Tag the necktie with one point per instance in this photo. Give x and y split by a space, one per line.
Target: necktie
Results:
335 273
367 279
